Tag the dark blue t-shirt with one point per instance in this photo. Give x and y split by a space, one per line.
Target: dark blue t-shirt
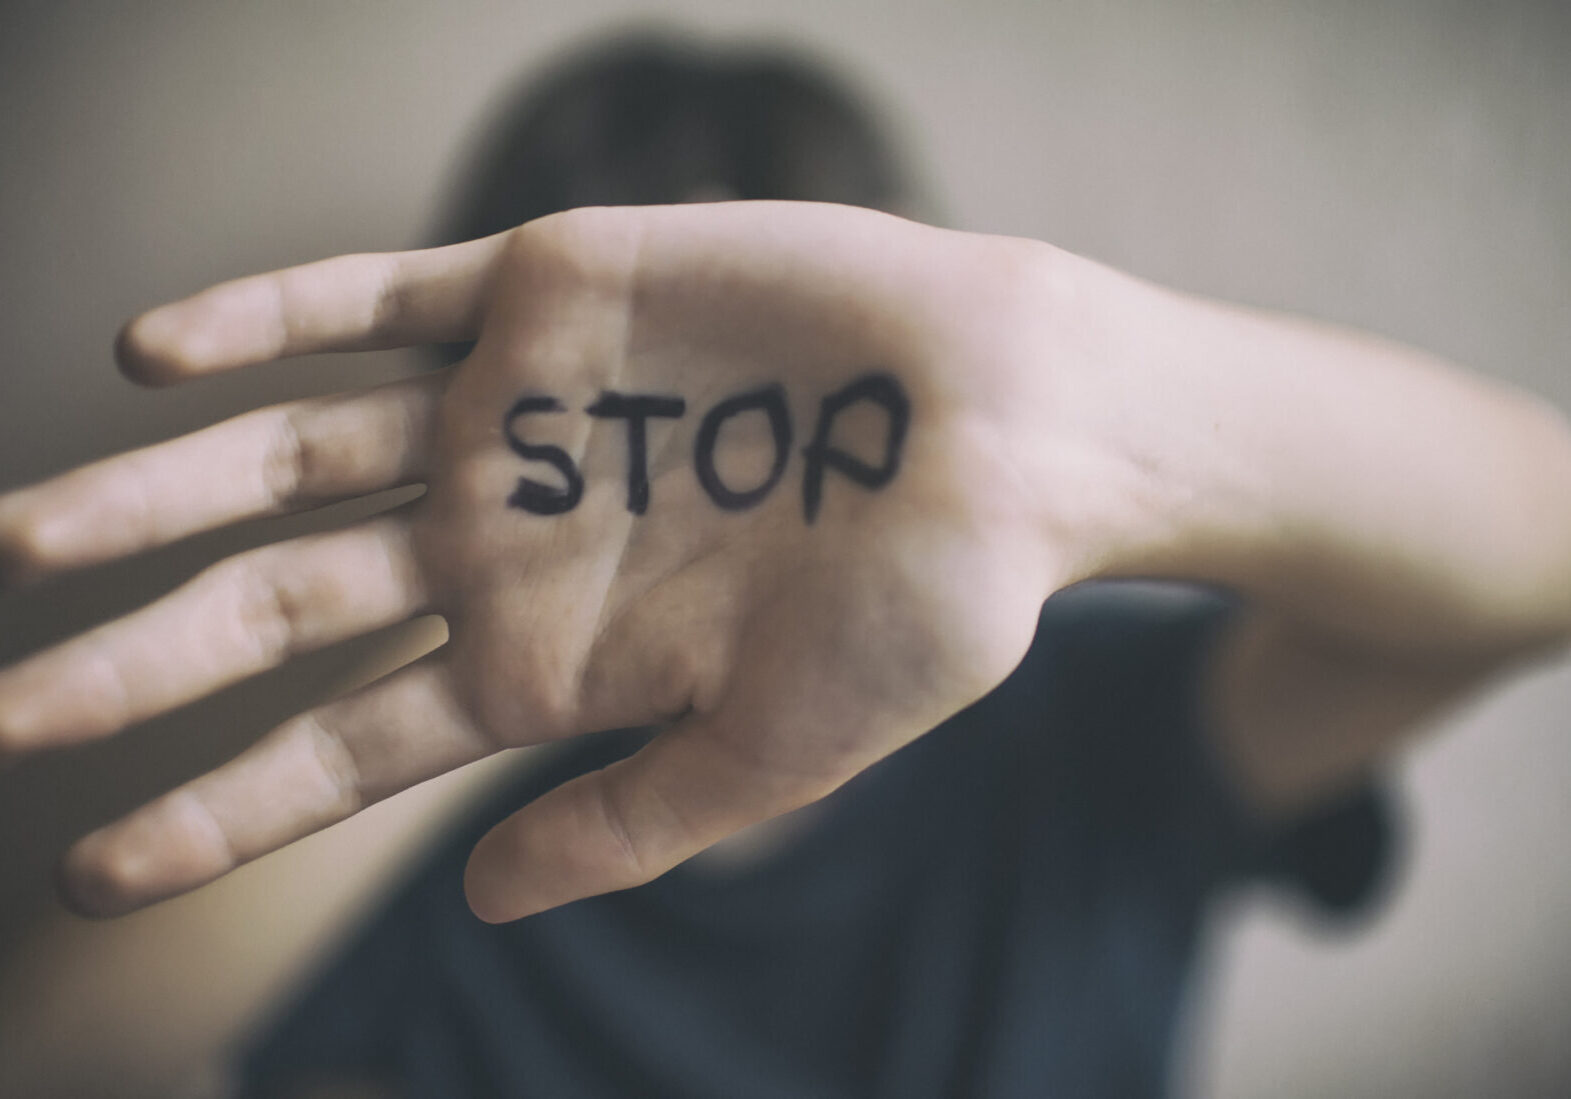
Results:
1007 907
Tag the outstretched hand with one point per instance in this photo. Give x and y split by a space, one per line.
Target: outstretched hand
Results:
749 473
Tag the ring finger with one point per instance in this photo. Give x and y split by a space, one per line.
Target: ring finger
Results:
240 617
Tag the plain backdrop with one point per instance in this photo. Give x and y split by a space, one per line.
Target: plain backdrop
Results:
1403 167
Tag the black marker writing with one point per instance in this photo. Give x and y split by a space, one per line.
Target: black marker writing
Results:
533 496
637 411
771 400
878 388
881 389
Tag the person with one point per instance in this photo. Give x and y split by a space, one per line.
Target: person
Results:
785 486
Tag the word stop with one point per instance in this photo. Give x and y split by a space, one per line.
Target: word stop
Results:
636 410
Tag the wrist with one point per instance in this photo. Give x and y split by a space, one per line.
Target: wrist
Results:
1117 425
1360 488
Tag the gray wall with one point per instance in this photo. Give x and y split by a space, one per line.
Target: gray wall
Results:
1404 167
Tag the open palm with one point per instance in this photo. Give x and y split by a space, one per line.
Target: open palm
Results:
743 472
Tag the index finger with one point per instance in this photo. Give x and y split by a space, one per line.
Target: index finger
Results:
348 303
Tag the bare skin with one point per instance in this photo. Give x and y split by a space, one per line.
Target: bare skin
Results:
1066 423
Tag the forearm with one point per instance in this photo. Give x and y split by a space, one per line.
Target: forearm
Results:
1363 490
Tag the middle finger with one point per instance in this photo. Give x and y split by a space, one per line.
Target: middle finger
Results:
266 462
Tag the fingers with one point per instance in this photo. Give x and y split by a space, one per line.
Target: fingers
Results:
310 772
240 617
265 462
349 303
628 823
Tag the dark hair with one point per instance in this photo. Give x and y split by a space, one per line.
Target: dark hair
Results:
655 119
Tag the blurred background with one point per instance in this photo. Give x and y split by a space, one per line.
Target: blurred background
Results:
1403 167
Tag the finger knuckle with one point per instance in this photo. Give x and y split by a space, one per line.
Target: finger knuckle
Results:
288 462
338 764
583 241
628 851
391 304
267 617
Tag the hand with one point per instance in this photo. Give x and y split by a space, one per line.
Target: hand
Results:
748 472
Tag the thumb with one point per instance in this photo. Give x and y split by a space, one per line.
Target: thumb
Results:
630 822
